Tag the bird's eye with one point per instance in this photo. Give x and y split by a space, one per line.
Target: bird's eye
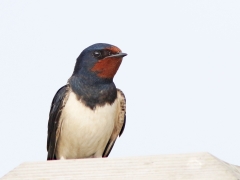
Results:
109 53
97 54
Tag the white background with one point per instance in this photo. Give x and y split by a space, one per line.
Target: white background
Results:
181 76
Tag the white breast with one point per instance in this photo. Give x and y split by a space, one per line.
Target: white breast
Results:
85 132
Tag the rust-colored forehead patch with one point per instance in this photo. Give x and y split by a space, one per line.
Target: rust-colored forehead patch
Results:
114 49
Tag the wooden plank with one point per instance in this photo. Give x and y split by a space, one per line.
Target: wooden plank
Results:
195 166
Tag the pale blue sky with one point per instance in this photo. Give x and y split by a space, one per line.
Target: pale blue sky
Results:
181 76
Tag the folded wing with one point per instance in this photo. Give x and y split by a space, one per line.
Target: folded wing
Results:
54 124
119 124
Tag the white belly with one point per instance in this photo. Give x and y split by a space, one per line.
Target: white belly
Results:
84 132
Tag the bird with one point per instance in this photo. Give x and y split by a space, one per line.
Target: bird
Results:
88 113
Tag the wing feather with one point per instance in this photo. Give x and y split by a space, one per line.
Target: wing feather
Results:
54 126
119 124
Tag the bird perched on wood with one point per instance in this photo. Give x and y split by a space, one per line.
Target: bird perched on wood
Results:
89 113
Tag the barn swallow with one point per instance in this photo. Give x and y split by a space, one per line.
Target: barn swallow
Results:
89 112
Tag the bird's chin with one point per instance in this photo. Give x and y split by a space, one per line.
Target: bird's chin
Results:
107 67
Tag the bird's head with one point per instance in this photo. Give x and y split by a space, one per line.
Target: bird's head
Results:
102 60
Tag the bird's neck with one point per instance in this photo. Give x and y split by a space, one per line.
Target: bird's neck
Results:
93 91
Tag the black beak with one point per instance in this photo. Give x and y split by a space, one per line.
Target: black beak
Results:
118 55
